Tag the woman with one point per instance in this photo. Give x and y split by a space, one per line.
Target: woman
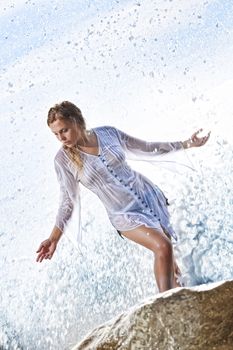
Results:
136 207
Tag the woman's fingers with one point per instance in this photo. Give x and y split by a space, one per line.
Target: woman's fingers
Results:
205 138
40 257
43 256
43 250
194 136
199 141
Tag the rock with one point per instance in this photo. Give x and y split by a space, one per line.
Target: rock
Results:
183 318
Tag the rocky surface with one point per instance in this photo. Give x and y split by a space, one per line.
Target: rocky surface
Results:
183 318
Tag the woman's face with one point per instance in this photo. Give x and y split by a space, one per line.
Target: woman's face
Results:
68 133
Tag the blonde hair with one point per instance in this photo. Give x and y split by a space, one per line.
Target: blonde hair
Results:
68 111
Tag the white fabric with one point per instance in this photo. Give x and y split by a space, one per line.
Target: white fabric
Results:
129 197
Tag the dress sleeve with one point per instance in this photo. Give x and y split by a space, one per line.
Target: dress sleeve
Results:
68 194
135 146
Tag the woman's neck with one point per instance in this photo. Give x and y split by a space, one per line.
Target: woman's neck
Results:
88 140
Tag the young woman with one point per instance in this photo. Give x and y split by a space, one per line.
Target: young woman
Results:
136 207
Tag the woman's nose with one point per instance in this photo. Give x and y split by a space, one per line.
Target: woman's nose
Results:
61 137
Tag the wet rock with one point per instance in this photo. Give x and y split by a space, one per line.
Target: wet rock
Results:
183 318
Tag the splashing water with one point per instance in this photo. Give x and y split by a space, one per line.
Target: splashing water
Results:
158 70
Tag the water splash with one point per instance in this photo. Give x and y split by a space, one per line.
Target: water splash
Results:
167 61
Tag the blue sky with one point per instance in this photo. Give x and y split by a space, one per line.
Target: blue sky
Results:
31 25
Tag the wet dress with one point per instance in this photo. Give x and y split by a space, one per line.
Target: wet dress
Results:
130 198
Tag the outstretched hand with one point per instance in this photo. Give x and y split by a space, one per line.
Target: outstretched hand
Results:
196 141
46 250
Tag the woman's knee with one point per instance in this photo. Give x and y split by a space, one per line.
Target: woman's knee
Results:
163 247
153 239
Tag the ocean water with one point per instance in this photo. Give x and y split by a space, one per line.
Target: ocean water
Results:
158 70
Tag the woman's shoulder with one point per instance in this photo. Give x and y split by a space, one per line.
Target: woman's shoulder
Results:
61 157
105 128
106 131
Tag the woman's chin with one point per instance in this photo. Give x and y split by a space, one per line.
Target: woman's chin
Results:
68 144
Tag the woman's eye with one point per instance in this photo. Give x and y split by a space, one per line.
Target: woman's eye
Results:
64 130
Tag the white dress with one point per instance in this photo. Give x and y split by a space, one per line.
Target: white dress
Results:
129 197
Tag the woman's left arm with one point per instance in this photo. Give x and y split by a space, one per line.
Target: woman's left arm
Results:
138 147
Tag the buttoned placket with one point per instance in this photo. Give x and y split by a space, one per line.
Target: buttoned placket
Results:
129 188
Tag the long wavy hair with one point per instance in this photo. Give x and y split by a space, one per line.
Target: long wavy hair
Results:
68 111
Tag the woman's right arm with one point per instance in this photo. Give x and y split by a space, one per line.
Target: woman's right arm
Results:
67 190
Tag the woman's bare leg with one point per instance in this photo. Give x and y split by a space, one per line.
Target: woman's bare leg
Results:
176 269
177 274
161 246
